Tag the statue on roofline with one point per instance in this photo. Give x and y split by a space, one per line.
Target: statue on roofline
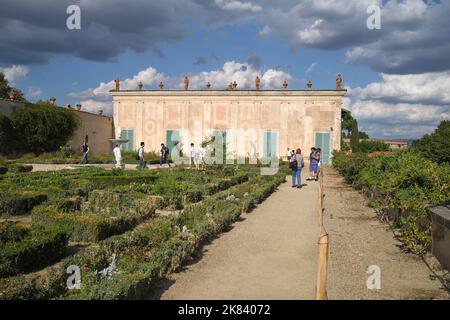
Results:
186 83
338 81
257 82
117 82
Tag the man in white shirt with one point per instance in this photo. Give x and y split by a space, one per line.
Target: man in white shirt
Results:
192 155
202 155
118 156
288 154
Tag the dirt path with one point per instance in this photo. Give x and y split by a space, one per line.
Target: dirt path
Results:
271 254
357 240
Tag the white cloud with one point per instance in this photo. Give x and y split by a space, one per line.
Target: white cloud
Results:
311 67
244 74
34 92
401 106
15 72
234 5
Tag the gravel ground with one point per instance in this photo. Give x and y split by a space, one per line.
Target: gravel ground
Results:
270 254
358 239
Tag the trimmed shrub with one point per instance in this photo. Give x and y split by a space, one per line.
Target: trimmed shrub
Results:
38 249
20 204
400 186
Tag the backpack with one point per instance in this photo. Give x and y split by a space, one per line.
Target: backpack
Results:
166 151
137 155
293 164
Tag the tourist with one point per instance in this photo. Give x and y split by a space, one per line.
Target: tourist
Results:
140 156
164 155
118 156
288 154
84 150
192 155
313 163
202 155
296 164
319 162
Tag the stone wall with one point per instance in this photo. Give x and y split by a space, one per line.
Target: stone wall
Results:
440 231
98 128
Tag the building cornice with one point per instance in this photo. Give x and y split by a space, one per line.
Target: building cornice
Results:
228 93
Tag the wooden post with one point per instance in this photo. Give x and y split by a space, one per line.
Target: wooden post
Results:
321 286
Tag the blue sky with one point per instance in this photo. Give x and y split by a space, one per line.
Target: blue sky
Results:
396 76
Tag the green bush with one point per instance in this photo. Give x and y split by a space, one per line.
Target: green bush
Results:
436 146
43 128
92 226
19 204
7 135
405 182
12 232
38 249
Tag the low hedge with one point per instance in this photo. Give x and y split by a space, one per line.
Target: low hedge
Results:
150 251
37 249
400 185
89 226
12 232
20 203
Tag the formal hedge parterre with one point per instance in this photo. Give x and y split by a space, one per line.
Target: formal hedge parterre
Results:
401 185
12 203
30 250
150 248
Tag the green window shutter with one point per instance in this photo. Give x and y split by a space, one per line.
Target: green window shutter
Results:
129 135
323 142
172 138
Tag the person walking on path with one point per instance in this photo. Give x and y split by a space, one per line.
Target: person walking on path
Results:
288 154
192 156
296 164
140 156
164 155
319 162
117 156
313 164
202 155
85 150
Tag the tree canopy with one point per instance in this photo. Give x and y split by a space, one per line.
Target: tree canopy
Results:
43 128
6 89
436 146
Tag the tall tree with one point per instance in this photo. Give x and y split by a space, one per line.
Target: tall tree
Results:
354 136
436 146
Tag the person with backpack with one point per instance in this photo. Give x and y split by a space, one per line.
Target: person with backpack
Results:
296 164
164 155
140 156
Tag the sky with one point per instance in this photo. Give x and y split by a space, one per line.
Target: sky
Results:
397 76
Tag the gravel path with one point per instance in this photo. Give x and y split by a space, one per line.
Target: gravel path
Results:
357 240
56 167
270 254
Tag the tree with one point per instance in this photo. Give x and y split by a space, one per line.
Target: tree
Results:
367 146
43 128
6 89
436 146
7 135
354 136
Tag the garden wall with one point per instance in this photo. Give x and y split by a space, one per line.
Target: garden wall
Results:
440 232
